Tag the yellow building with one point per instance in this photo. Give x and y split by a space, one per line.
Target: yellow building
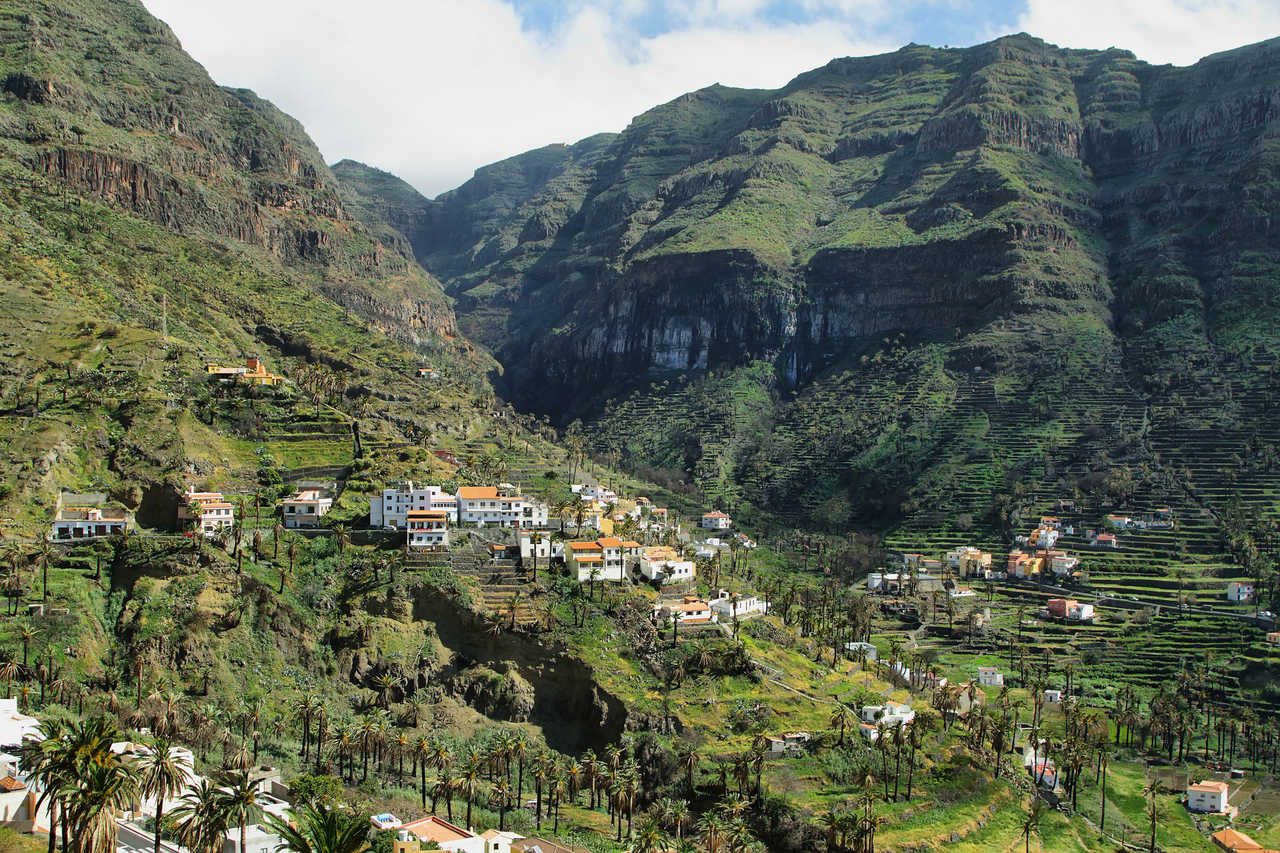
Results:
254 372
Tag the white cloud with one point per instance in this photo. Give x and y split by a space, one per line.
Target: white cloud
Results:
1175 31
431 89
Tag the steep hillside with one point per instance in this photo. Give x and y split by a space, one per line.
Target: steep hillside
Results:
1073 225
151 219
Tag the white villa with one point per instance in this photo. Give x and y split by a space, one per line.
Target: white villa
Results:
305 508
1240 591
500 506
391 509
729 605
989 676
605 557
891 714
86 517
969 558
691 610
1208 797
716 520
541 549
212 512
665 564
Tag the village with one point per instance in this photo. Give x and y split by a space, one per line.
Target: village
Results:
500 536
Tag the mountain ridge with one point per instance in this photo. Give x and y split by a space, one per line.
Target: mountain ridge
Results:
1006 202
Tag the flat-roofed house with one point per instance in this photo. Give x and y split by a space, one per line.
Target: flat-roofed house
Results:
427 529
87 517
305 508
211 512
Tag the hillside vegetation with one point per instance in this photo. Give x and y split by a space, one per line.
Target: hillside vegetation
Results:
917 261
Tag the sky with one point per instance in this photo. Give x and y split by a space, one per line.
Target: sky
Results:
433 89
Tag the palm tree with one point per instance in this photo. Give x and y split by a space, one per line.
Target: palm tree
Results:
839 720
46 760
469 785
343 533
500 795
105 787
317 828
650 838
161 774
239 802
9 670
201 820
28 633
1031 822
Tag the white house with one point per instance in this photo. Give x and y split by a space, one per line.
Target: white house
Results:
1240 591
989 676
535 544
499 842
443 834
501 506
591 492
427 529
728 605
891 714
691 610
1052 696
970 558
1207 797
86 517
210 510
1062 563
605 557
716 520
14 725
661 562
867 650
1046 774
391 509
18 807
305 508
1044 537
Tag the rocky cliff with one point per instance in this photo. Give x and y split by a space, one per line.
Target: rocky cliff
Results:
1019 205
102 101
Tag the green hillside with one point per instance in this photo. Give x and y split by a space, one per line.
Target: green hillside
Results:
935 269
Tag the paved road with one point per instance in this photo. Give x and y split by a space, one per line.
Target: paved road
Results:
132 839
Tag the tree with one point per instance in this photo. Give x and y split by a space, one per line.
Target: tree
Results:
320 828
1031 821
162 774
201 819
839 719
239 801
47 762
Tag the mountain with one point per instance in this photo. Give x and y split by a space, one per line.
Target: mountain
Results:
152 219
802 297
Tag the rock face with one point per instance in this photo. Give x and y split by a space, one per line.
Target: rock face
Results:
105 104
920 191
990 199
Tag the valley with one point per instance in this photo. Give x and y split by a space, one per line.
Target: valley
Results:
881 462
